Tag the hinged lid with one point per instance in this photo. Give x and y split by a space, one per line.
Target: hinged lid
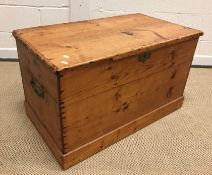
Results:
69 45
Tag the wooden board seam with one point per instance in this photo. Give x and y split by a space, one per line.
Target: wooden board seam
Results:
36 120
175 104
103 91
137 50
60 111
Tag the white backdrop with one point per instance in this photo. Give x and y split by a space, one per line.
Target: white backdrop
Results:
26 13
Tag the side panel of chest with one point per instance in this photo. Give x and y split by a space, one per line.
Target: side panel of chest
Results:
97 99
41 94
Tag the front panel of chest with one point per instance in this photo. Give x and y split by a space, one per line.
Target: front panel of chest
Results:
100 97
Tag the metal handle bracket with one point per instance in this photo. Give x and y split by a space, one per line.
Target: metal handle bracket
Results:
37 88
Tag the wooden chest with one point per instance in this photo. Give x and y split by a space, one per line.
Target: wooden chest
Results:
89 84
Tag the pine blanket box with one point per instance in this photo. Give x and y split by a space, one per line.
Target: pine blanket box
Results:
89 84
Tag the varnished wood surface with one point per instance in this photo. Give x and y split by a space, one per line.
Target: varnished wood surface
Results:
73 44
82 82
106 140
86 119
87 150
87 107
92 117
39 125
45 108
29 61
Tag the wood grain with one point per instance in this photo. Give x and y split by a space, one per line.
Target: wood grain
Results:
85 81
45 108
92 117
101 39
32 63
108 139
39 125
89 84
103 104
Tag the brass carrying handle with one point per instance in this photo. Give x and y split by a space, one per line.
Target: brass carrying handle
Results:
37 88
